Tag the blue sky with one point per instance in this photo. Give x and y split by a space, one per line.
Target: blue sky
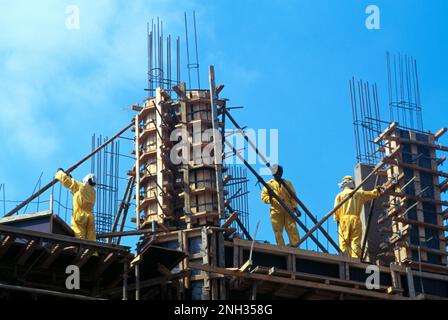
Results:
287 62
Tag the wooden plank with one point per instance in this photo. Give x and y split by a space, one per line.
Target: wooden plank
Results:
6 244
430 250
416 168
104 264
421 224
149 283
205 261
299 283
30 248
246 266
82 259
278 250
214 262
387 132
440 133
422 199
137 108
230 220
410 279
35 235
419 143
222 264
52 256
276 272
218 143
443 186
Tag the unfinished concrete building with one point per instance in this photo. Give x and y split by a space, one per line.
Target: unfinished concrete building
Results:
194 240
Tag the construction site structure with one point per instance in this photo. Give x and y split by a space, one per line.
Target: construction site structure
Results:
194 241
415 215
184 194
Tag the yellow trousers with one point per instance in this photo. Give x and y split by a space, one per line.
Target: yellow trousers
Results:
83 224
282 220
350 235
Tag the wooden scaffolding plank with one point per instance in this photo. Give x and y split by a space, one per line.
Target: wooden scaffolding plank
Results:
83 257
6 244
52 256
29 249
299 283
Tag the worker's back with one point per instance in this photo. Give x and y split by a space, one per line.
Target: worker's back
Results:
282 193
84 198
354 205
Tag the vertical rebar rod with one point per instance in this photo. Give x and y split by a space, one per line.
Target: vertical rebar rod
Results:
178 60
188 51
196 46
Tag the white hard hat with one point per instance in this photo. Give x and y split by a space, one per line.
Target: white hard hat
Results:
89 178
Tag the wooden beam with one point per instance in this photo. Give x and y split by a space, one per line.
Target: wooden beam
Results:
388 131
416 168
6 244
445 214
137 108
164 270
441 160
52 256
421 224
180 93
31 234
430 250
229 231
82 259
30 248
440 133
230 220
420 143
104 264
299 283
418 198
443 186
246 266
150 282
219 88
124 234
43 292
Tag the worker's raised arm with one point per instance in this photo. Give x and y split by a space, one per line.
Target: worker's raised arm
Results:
369 195
265 197
67 181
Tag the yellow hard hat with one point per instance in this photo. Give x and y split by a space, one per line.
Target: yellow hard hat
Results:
347 178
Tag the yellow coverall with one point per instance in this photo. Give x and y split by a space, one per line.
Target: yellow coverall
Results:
83 220
348 217
279 216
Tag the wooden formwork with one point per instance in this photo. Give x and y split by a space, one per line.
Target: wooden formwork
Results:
169 192
204 245
415 213
181 198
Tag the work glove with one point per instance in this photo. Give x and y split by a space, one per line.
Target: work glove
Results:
381 189
68 174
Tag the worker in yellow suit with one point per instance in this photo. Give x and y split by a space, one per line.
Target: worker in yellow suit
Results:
280 218
83 220
348 216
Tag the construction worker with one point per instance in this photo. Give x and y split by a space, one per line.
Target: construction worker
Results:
348 216
83 220
280 218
